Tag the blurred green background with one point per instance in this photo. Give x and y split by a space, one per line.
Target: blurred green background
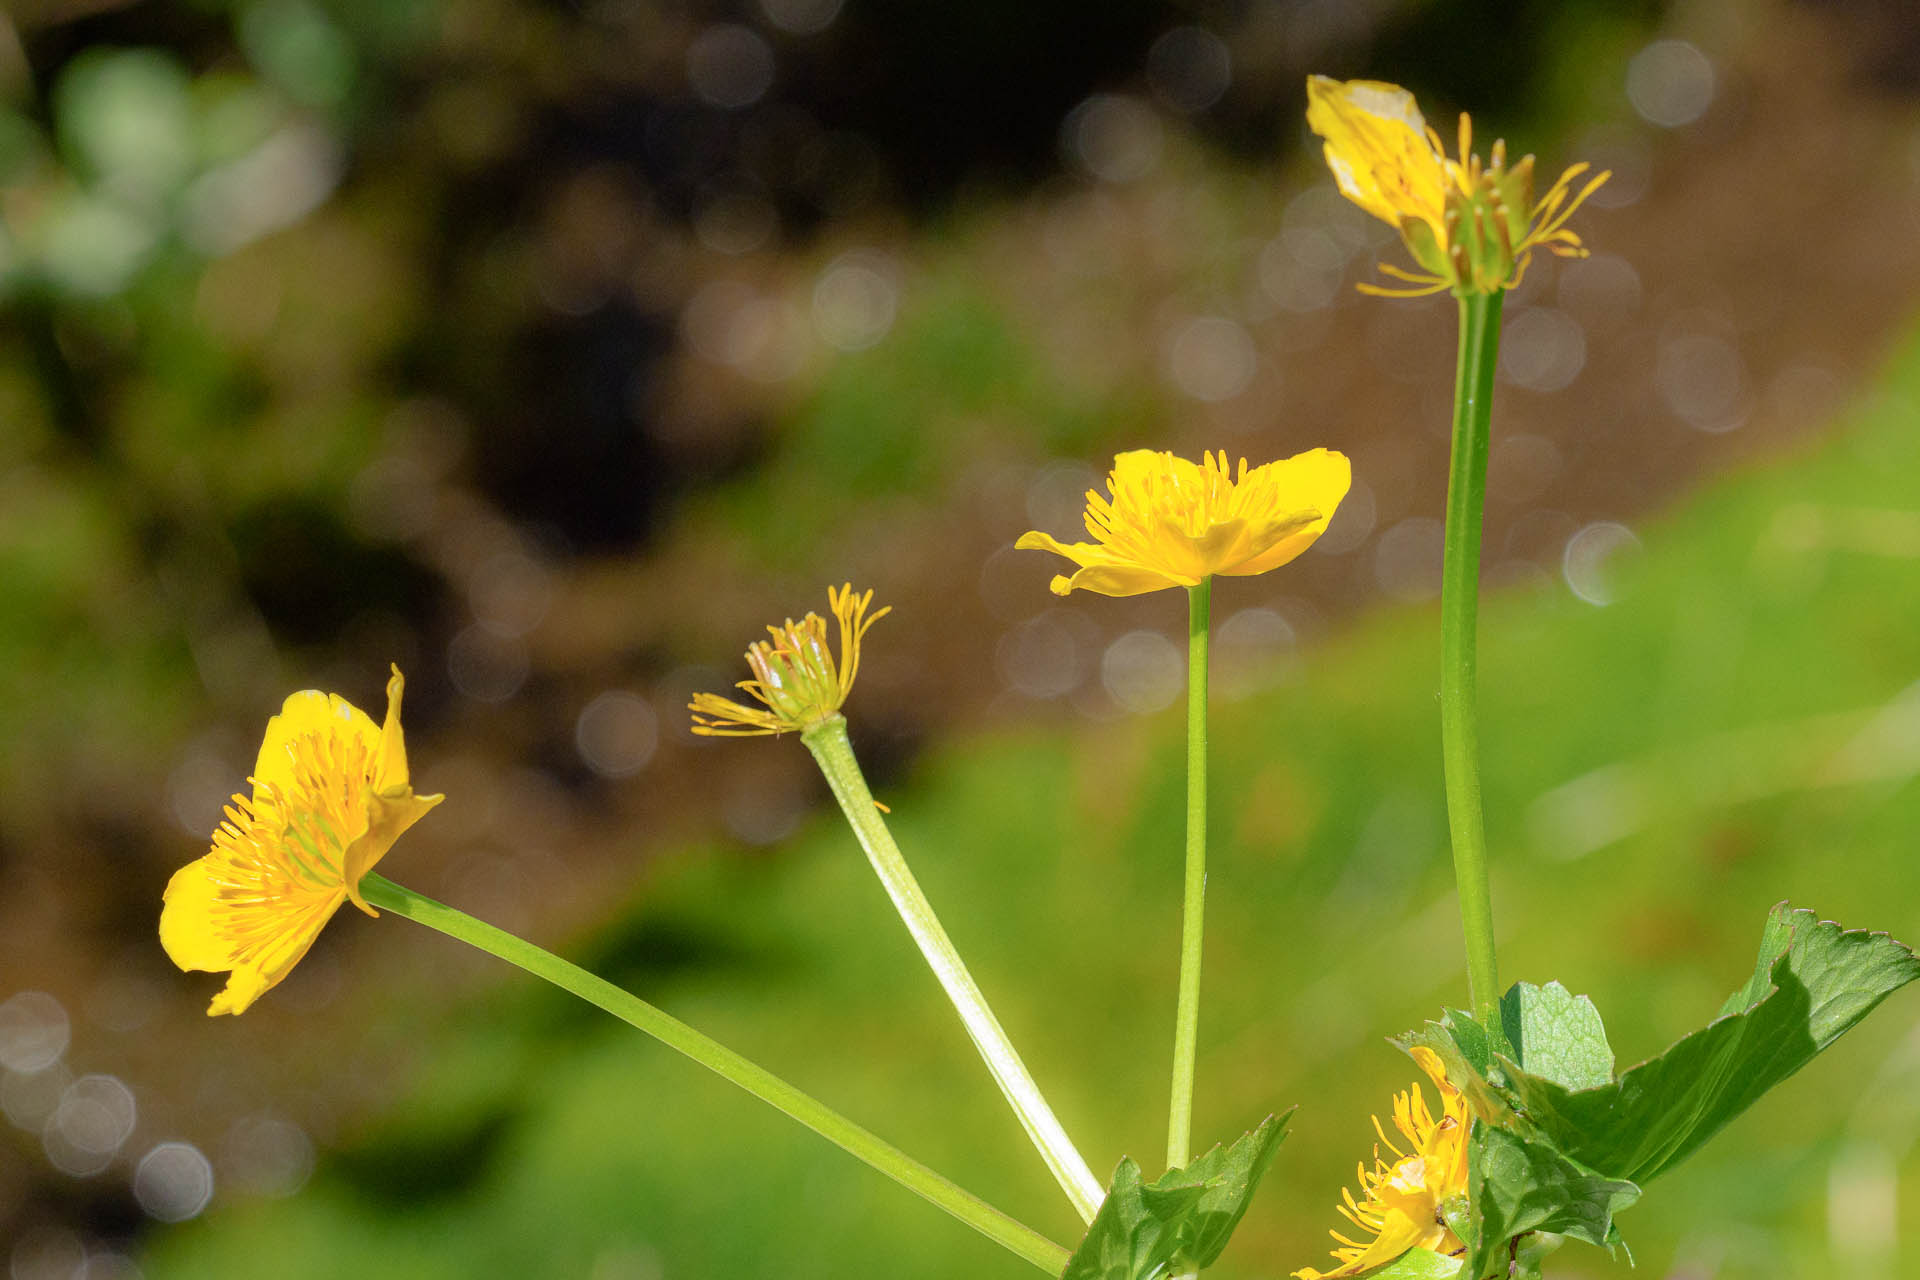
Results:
552 349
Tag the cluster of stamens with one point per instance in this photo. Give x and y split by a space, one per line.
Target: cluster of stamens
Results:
287 845
1491 223
796 678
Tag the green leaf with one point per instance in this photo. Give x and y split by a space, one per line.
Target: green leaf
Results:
1557 1035
1418 1264
1775 940
1819 980
1183 1218
1124 1241
1225 1178
1518 1186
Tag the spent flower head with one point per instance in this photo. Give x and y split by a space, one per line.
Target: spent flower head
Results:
1402 1205
1174 523
797 679
330 796
1472 225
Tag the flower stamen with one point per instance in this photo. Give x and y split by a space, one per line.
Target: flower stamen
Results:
1472 224
1399 1205
796 678
329 797
1169 522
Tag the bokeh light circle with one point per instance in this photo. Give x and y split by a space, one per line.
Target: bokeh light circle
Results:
1143 671
1670 83
33 1031
173 1182
1593 559
616 734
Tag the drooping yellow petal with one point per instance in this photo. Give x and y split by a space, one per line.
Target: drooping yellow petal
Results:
389 814
1166 521
330 796
1117 580
1383 156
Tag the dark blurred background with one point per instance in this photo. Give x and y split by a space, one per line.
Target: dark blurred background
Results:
552 349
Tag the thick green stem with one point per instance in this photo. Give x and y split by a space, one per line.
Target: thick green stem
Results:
756 1080
1186 1019
1459 620
834 753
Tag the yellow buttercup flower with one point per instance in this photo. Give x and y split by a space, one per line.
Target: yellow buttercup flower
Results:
796 678
1174 523
1473 226
1400 1203
330 796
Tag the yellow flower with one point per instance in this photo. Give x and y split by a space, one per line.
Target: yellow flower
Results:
1473 226
796 678
1174 523
330 796
1400 1204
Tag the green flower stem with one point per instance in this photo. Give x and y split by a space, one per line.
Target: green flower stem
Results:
756 1080
1459 615
1186 1018
834 753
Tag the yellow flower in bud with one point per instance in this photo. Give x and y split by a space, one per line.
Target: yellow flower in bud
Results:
796 678
330 796
1472 226
1400 1204
1174 523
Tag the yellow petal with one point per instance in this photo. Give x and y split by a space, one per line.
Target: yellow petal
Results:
1143 466
1352 105
1121 580
260 940
1078 552
1280 542
1171 522
307 712
390 765
388 817
331 796
1313 483
263 969
1400 1234
1318 478
1216 547
1429 1061
1378 149
187 920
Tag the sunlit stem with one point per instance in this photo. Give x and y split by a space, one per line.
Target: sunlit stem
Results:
1459 621
834 753
756 1080
1186 1018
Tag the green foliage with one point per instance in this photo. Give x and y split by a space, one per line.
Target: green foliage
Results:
626 1151
1570 1143
1823 980
1557 1034
1183 1219
1518 1185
